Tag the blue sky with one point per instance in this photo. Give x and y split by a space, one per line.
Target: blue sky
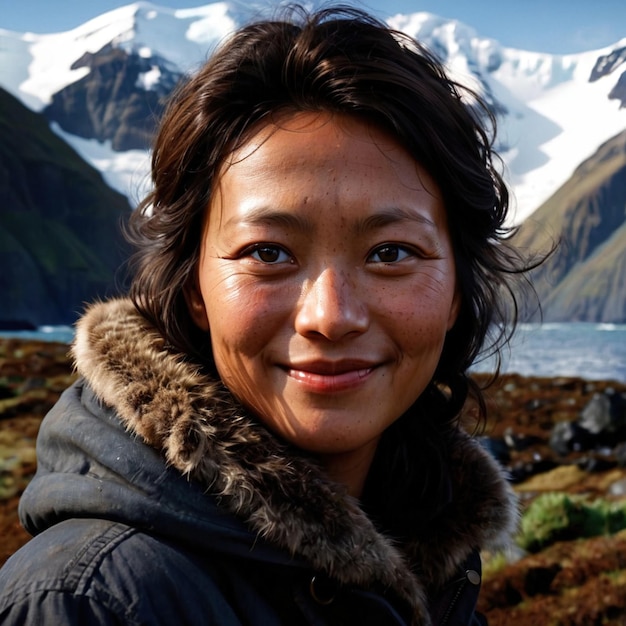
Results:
557 26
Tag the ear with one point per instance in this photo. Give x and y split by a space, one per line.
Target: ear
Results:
455 307
195 305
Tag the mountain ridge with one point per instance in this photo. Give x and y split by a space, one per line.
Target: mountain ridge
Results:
530 91
584 279
111 101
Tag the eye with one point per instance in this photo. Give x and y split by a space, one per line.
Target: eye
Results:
388 253
267 253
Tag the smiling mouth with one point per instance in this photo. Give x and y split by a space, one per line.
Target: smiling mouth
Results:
326 377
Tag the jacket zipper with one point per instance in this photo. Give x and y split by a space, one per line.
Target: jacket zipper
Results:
461 586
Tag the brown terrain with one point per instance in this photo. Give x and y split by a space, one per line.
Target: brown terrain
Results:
555 435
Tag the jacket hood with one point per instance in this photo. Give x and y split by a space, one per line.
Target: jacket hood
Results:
227 480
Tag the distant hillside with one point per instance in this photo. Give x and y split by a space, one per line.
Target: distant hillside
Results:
585 279
60 241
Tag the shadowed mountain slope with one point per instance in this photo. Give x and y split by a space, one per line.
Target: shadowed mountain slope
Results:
585 278
60 238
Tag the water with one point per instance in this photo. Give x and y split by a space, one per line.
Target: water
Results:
62 334
592 351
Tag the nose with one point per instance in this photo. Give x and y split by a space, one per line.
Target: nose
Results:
331 306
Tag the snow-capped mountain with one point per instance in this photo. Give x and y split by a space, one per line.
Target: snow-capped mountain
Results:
553 111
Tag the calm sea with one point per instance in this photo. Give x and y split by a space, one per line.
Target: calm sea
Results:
592 351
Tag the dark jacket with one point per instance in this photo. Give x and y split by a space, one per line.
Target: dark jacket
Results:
158 500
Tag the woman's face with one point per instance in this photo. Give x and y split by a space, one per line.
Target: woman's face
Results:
327 281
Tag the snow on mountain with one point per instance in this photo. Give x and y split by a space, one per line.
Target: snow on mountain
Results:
551 115
567 118
554 118
35 67
184 37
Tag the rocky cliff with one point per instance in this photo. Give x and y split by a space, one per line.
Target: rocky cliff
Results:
60 237
120 99
585 277
604 66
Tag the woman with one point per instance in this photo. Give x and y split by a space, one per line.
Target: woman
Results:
267 431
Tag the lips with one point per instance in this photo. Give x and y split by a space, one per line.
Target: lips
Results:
331 376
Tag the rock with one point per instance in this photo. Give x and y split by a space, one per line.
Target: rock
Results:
594 464
619 91
517 441
605 412
618 488
539 579
497 448
522 471
596 416
111 102
620 454
569 437
618 407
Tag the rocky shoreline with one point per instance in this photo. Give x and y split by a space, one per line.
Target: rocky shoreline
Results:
33 375
563 441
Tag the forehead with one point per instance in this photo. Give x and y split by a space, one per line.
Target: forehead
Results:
338 143
320 170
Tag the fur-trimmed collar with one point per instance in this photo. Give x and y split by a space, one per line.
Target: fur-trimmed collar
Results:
286 498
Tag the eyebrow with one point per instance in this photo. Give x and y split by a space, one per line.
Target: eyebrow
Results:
266 216
392 215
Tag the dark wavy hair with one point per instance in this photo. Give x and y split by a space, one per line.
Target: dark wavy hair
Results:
333 60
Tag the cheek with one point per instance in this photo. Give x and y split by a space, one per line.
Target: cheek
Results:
246 325
419 322
242 318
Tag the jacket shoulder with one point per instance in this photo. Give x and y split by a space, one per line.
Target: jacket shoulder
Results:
87 571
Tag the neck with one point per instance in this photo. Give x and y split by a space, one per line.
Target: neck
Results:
351 468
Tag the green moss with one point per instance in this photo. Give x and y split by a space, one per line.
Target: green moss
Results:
560 517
